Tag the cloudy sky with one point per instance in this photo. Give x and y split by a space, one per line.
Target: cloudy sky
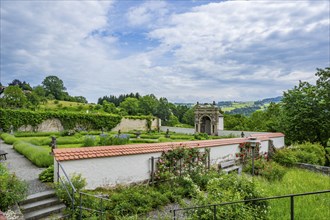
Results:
187 51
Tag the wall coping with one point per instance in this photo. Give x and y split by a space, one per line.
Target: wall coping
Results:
67 154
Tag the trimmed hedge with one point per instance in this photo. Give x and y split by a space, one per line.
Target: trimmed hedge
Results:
69 120
36 154
8 138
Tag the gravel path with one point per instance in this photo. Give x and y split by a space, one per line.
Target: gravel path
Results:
24 169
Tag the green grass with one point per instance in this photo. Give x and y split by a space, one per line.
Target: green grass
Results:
298 181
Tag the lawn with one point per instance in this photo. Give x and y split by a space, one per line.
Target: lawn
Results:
298 181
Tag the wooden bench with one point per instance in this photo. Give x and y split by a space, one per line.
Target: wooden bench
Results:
229 166
3 154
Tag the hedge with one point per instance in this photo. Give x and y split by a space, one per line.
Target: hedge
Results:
40 156
69 120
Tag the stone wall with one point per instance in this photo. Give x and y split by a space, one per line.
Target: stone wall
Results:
127 124
314 168
54 125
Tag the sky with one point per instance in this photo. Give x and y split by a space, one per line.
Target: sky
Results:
186 51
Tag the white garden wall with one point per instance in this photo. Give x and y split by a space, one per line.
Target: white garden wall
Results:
130 166
110 171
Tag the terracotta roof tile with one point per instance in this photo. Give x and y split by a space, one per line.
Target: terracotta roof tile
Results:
119 150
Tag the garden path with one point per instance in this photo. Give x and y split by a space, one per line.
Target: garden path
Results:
23 169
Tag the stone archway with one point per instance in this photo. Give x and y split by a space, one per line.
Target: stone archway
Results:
205 125
207 119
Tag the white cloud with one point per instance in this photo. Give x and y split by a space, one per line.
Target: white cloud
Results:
219 51
147 13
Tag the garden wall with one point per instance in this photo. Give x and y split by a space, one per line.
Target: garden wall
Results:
112 165
220 132
128 124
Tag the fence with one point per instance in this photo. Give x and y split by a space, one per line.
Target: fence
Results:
214 206
88 198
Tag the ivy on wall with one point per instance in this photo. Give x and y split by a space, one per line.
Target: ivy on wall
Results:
69 120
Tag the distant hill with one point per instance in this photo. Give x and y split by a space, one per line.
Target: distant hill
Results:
246 108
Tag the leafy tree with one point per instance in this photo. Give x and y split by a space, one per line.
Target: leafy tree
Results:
189 117
33 100
306 110
80 99
23 85
173 120
54 86
109 107
130 105
148 104
235 122
163 110
14 97
40 91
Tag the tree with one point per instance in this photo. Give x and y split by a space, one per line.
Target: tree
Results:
33 99
148 104
163 110
189 117
14 97
306 110
130 105
54 86
109 107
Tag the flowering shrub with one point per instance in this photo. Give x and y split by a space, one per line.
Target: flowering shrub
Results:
179 161
246 151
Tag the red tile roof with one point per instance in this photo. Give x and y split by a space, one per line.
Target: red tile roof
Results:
120 150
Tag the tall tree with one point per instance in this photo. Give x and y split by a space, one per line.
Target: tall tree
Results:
14 97
54 86
306 110
130 105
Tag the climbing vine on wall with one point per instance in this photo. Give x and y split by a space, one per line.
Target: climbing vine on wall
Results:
181 160
69 120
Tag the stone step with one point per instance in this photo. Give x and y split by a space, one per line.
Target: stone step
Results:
48 211
38 197
43 203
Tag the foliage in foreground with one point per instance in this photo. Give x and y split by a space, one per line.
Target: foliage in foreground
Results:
12 189
230 188
47 175
298 181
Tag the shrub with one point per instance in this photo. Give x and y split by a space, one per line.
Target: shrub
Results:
316 153
268 169
36 154
35 134
285 157
61 189
302 153
8 138
201 136
47 175
12 189
142 141
89 141
69 140
127 201
226 188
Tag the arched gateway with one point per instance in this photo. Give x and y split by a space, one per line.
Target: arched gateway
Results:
208 119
